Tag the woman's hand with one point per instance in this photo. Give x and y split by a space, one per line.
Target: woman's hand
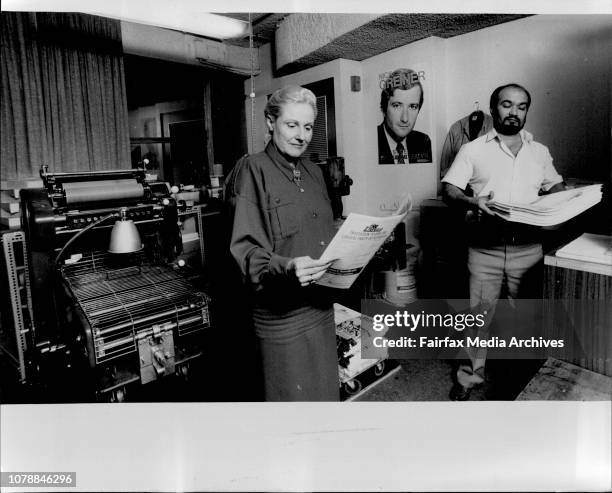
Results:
307 270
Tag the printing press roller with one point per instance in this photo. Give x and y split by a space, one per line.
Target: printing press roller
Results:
102 191
72 189
72 201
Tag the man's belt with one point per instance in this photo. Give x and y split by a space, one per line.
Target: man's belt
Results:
496 232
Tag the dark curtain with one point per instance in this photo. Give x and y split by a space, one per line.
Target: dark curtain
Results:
63 94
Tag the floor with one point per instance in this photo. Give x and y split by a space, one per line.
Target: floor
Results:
562 381
431 380
403 381
507 380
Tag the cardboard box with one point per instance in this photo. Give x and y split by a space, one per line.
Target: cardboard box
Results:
12 221
11 206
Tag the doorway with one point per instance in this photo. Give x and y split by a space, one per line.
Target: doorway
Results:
166 109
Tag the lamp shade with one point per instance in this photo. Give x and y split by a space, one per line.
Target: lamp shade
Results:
125 237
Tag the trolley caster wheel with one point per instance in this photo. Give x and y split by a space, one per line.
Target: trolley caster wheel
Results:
352 387
118 395
184 372
379 368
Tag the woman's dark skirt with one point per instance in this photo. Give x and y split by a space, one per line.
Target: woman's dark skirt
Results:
298 351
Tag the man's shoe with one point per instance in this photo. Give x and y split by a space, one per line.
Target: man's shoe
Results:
459 393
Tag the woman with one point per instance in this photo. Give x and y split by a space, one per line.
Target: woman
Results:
282 221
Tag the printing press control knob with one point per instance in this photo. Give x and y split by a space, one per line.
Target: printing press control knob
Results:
166 201
181 263
159 356
159 362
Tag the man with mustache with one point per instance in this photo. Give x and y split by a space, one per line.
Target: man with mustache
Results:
505 164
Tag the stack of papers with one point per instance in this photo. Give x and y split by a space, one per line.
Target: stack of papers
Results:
552 209
590 248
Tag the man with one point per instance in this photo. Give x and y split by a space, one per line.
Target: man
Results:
508 165
400 102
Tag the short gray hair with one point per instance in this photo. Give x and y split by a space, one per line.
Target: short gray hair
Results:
289 94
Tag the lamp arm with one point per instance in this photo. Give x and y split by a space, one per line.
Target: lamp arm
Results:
80 233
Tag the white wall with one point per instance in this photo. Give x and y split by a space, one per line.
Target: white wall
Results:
350 134
564 61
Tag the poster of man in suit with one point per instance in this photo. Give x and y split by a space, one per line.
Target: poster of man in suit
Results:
401 100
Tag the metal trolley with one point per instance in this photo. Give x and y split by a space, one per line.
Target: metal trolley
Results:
357 373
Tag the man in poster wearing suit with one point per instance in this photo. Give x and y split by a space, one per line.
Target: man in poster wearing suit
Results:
400 102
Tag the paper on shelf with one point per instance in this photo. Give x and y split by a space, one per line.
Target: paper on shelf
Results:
590 248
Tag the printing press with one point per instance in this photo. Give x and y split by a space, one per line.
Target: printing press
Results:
110 299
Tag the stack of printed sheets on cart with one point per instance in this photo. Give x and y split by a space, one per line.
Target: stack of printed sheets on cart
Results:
552 209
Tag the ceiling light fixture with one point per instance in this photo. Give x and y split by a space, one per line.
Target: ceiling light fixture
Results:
200 23
188 16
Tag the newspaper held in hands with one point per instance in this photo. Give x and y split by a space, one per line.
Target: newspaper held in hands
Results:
356 242
551 209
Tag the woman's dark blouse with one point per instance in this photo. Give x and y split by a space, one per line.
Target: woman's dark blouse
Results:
274 221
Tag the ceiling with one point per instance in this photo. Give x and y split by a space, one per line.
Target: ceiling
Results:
264 25
382 34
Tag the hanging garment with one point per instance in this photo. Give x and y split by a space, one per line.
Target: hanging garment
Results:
462 131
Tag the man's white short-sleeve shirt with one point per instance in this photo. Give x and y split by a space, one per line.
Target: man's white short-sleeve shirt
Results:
487 165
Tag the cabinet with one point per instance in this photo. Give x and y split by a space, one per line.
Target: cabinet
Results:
586 291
